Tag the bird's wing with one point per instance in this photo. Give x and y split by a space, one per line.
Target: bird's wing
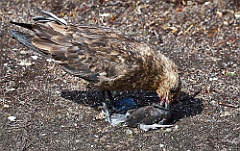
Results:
88 52
85 51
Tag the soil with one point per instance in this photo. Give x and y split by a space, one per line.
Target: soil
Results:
44 108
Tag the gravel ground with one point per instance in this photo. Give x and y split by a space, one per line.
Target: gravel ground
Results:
44 108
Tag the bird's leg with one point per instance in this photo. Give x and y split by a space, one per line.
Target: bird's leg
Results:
108 99
107 96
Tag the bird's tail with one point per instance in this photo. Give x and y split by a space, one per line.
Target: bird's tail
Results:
49 17
26 40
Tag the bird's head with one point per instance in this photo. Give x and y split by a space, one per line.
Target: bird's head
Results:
174 91
169 89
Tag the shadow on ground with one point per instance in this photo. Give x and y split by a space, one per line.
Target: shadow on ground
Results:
187 105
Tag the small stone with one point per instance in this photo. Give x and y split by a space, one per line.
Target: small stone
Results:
11 118
176 127
168 130
129 132
49 60
101 115
220 14
225 23
25 63
213 79
237 15
225 114
207 3
43 134
22 102
6 106
34 57
23 52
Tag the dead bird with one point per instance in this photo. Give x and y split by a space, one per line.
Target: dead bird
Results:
146 117
103 56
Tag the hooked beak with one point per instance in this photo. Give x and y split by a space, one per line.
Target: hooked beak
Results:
165 102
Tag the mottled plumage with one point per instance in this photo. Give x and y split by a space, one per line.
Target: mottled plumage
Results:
107 58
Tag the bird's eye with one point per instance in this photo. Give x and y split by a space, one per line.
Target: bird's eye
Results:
173 90
176 88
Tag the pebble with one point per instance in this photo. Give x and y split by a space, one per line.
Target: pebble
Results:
213 79
225 114
129 132
11 118
25 63
168 129
34 57
237 15
176 127
6 106
225 23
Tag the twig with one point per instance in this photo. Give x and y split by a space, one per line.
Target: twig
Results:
115 4
228 105
191 96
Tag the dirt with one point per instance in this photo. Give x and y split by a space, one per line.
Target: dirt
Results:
44 108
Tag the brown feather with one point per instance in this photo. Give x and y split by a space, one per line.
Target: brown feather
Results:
109 59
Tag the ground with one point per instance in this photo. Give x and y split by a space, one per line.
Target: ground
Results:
44 108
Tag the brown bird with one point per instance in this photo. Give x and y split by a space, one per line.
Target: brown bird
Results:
103 56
